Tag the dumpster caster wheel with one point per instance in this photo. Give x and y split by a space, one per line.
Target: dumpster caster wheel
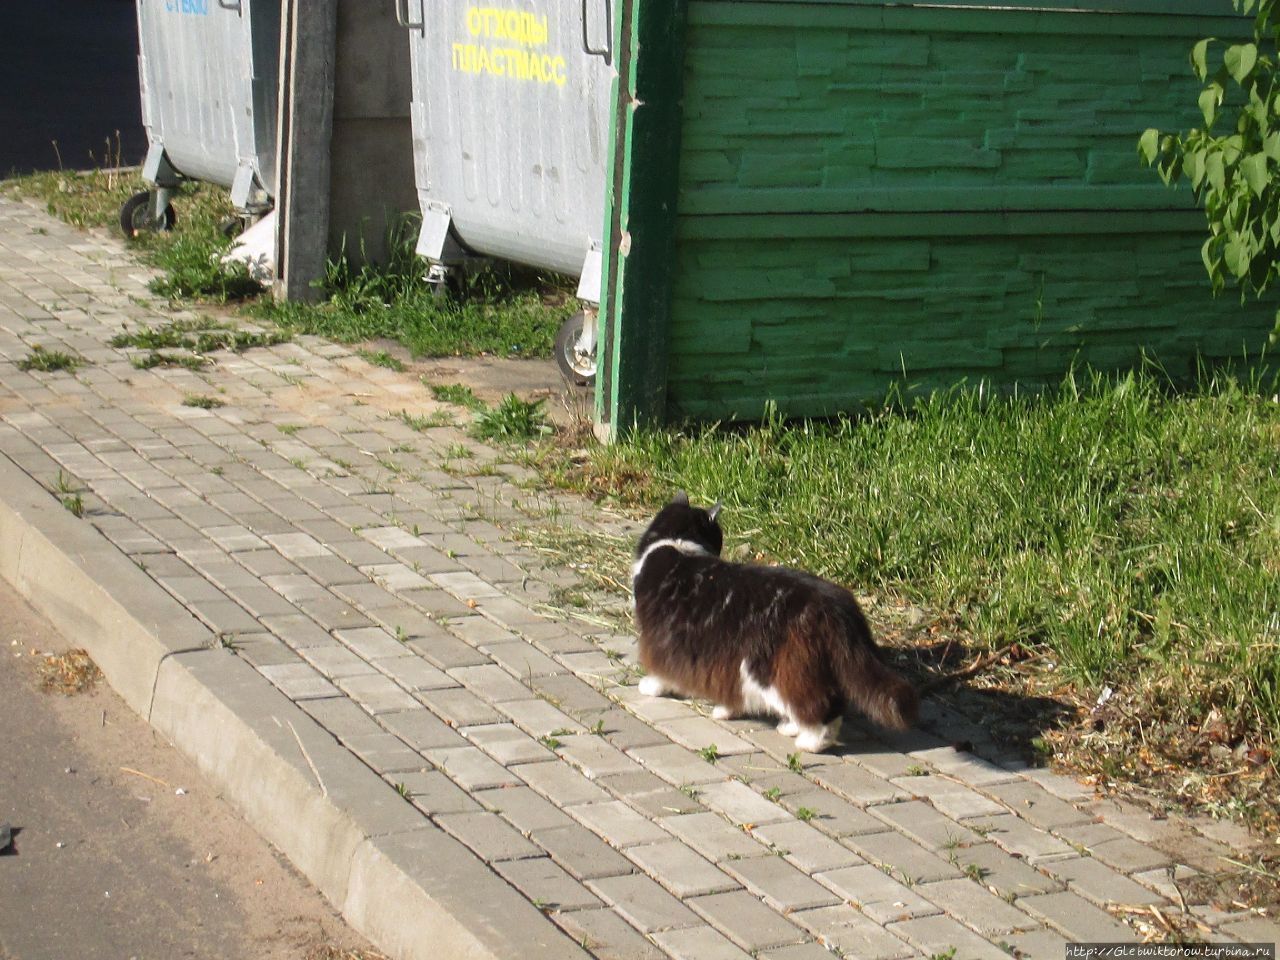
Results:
136 218
578 366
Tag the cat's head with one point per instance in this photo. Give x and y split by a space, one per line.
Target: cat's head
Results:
680 520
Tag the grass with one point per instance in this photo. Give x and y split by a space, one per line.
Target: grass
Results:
48 361
512 421
203 401
458 394
1123 533
510 313
380 358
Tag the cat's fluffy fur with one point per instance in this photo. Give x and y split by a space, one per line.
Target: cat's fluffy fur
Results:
755 639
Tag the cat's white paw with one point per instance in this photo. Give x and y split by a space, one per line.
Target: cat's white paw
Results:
817 739
719 712
789 728
652 686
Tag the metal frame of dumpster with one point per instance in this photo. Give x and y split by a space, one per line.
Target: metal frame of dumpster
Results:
510 125
208 71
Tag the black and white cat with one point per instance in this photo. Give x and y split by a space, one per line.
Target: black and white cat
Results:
755 639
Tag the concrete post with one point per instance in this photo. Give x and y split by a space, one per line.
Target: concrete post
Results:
307 68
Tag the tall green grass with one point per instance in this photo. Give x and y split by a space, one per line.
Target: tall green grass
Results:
1131 530
513 314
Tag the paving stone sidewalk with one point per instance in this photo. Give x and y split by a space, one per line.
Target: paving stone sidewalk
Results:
371 572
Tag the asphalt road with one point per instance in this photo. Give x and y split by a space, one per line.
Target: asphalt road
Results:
121 851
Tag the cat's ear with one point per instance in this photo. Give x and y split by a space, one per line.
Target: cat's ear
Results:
715 510
681 498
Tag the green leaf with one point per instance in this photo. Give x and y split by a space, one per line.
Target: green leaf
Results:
1209 99
1214 171
1271 145
1195 167
1236 256
1239 61
1198 54
1254 168
1149 145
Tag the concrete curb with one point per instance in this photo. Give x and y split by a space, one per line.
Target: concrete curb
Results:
397 878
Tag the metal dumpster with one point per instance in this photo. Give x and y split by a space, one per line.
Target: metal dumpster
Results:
510 136
208 71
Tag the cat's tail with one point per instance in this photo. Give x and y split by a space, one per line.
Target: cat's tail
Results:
877 691
881 694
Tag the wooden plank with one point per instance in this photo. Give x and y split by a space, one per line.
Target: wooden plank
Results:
641 218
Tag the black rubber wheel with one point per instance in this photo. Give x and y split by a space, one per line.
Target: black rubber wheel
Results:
578 367
136 218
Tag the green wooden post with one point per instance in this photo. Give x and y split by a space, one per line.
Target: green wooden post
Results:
640 215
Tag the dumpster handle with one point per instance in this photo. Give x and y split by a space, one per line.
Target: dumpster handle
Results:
402 16
234 5
604 51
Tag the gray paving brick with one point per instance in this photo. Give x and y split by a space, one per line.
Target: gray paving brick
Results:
372 643
1076 917
746 921
470 768
925 825
506 743
537 717
699 943
950 798
488 835
805 846
422 729
459 707
856 784
329 571
617 823
698 733
779 883
878 895
385 753
975 906
297 545
299 631
299 681
1254 929
1043 943
527 811
443 650
1036 805
595 756
414 673
293 587
1008 874
606 935
713 837
367 596
521 659
560 783
262 649
376 693
1094 880
1130 856
938 935
581 852
332 613
335 661
965 767
491 682
662 803
570 694
833 815
676 765
644 904
546 884
740 803
678 868
432 792
853 934
906 858
626 732
1021 838
465 585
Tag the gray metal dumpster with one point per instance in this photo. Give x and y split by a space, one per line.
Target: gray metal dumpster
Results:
510 113
208 71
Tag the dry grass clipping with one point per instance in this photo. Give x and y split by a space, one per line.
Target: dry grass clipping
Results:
69 673
334 953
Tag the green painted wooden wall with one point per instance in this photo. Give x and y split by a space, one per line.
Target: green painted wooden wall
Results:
870 193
